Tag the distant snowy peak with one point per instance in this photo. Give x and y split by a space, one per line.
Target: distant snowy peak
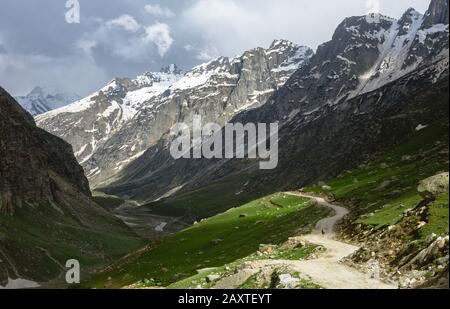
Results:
126 94
43 99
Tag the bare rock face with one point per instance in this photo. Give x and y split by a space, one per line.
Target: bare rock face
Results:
437 13
434 186
27 154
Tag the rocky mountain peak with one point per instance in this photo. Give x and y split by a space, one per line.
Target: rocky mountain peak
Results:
42 91
219 64
45 200
171 69
409 18
281 45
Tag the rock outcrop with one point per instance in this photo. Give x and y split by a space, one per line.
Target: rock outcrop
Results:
434 186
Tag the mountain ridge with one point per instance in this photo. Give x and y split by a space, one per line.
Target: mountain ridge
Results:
324 85
120 122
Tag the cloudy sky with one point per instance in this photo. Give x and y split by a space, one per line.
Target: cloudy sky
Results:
127 37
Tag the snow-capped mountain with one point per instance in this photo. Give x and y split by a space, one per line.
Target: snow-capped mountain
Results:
284 83
115 125
43 99
371 75
363 56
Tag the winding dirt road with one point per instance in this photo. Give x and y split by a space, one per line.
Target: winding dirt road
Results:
326 270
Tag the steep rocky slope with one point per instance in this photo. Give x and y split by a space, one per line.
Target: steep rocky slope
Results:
365 90
46 213
116 125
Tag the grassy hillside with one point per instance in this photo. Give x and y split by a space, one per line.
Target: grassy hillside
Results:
384 188
39 239
215 242
109 202
210 200
257 281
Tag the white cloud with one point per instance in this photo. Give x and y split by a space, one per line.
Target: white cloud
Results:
127 22
208 53
19 73
189 47
158 10
138 43
87 46
233 26
159 34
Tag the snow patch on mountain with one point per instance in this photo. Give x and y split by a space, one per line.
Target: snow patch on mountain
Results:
397 45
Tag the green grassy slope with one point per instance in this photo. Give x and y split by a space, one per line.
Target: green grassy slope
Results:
109 202
283 253
215 242
208 201
383 189
38 240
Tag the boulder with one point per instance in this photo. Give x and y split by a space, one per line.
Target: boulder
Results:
434 186
267 249
287 281
212 278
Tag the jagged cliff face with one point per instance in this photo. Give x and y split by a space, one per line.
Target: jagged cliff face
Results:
341 89
115 126
46 213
